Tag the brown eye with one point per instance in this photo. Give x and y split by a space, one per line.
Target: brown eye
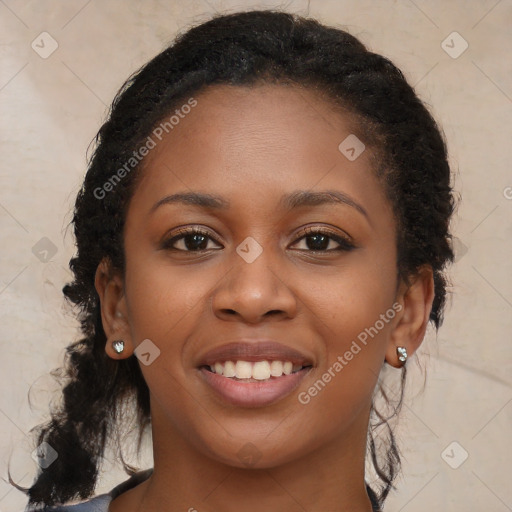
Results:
189 240
321 240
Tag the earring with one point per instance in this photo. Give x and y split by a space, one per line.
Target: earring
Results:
118 346
402 354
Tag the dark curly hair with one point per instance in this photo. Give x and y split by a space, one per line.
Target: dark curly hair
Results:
241 49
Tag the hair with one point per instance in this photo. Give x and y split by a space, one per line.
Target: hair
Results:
239 49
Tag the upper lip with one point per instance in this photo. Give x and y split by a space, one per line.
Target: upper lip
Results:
252 351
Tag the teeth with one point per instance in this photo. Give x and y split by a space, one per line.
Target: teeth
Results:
260 370
276 368
243 370
229 369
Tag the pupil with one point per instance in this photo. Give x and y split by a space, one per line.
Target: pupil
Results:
197 239
324 242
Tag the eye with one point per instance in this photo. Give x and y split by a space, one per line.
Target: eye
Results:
320 240
315 240
189 240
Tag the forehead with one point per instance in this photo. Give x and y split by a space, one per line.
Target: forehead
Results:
257 142
274 115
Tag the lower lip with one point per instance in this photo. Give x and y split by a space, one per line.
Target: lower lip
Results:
253 394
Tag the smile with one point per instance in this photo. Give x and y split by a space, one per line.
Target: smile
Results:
259 370
253 384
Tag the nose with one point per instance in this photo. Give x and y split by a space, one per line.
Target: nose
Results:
251 292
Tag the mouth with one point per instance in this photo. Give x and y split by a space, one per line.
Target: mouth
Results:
251 392
258 371
249 373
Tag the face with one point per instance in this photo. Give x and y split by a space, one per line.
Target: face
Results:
271 259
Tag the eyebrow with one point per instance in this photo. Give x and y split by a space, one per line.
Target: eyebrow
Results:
297 199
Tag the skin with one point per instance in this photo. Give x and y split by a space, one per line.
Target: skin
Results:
251 146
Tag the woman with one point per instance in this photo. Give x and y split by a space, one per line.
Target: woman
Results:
263 227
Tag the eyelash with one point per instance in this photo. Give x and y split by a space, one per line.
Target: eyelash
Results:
344 243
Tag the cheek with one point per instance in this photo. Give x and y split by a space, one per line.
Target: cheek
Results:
162 299
339 301
350 297
353 312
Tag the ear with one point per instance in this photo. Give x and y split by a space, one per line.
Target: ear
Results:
416 299
114 317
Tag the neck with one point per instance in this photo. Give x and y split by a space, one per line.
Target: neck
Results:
185 478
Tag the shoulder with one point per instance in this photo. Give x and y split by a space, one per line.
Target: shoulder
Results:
97 504
101 502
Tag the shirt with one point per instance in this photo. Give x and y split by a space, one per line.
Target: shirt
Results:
101 502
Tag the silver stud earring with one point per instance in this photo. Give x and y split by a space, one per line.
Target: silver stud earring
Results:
118 346
402 354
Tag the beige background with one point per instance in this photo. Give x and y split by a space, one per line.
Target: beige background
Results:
52 107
